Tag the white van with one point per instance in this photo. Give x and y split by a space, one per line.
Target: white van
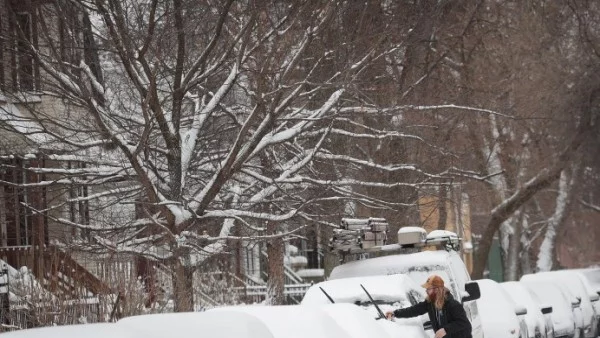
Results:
445 262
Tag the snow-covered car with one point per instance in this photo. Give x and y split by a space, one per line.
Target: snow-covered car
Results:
591 279
572 281
388 292
499 314
291 321
593 292
445 262
564 321
538 317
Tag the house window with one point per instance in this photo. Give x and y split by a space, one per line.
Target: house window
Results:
21 201
79 211
69 34
24 59
19 30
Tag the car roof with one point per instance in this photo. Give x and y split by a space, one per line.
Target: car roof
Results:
392 264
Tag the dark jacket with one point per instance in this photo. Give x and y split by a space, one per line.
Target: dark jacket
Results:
453 318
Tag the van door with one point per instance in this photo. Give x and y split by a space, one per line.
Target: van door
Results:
461 277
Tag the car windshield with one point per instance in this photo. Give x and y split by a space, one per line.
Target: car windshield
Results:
396 290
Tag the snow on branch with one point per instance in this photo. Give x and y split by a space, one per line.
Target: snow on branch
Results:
590 205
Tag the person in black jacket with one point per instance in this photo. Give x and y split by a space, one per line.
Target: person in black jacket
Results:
447 316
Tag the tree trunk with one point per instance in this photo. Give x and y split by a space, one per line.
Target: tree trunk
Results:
183 290
525 246
511 269
547 255
275 282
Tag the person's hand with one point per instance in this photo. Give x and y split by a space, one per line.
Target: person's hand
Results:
440 333
389 315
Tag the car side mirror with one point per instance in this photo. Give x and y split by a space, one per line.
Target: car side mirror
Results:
546 309
472 289
520 310
427 325
594 297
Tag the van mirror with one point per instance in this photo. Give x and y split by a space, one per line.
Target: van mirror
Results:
473 289
594 297
546 309
520 310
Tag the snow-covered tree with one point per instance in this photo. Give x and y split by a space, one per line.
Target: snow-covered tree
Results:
208 118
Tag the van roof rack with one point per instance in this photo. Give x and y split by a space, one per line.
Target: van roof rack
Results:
367 235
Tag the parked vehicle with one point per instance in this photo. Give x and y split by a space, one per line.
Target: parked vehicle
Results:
500 316
572 281
445 262
387 292
290 321
591 279
564 320
538 317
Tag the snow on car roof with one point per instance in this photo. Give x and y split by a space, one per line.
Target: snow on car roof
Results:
393 288
393 264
